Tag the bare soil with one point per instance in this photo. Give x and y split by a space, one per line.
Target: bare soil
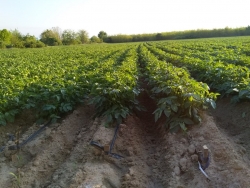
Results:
61 156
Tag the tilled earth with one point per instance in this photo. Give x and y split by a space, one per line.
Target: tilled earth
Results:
62 157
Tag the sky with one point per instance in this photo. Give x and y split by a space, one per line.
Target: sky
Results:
122 16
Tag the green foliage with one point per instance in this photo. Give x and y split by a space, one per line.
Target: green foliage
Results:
103 36
2 45
5 36
52 81
120 38
178 96
220 73
31 42
95 39
188 34
17 178
16 39
83 36
114 92
9 39
50 38
69 37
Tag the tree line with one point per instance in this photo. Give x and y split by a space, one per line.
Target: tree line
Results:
55 36
175 35
50 37
16 39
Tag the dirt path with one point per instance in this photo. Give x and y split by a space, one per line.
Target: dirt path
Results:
61 156
234 121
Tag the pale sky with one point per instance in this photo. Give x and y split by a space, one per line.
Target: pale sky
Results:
122 16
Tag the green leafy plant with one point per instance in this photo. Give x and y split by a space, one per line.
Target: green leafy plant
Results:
53 81
114 93
17 178
177 95
224 77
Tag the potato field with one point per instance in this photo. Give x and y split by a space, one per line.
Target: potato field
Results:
169 99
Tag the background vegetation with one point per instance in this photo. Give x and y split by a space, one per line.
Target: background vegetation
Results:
174 35
55 36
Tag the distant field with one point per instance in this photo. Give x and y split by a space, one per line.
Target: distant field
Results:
179 75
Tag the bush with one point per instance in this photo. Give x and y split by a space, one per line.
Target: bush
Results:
19 44
40 44
9 46
2 44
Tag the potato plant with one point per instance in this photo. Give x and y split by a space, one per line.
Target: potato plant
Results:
52 81
178 96
225 78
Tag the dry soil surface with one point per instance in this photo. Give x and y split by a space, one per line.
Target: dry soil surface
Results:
62 157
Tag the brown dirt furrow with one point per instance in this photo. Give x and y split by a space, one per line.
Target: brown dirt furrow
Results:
61 157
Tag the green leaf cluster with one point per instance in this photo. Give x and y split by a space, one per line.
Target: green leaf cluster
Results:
178 96
225 77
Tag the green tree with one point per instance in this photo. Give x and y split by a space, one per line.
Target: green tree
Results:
83 36
158 36
31 42
5 37
49 37
69 37
16 39
102 35
57 32
95 39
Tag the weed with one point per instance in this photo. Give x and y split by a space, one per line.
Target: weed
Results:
17 178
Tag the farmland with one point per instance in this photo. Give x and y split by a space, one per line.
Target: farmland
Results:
165 86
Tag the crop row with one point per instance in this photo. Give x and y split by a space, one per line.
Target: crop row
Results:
228 51
115 88
178 96
227 79
51 80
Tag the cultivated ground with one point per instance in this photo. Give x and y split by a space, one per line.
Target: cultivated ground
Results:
61 156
